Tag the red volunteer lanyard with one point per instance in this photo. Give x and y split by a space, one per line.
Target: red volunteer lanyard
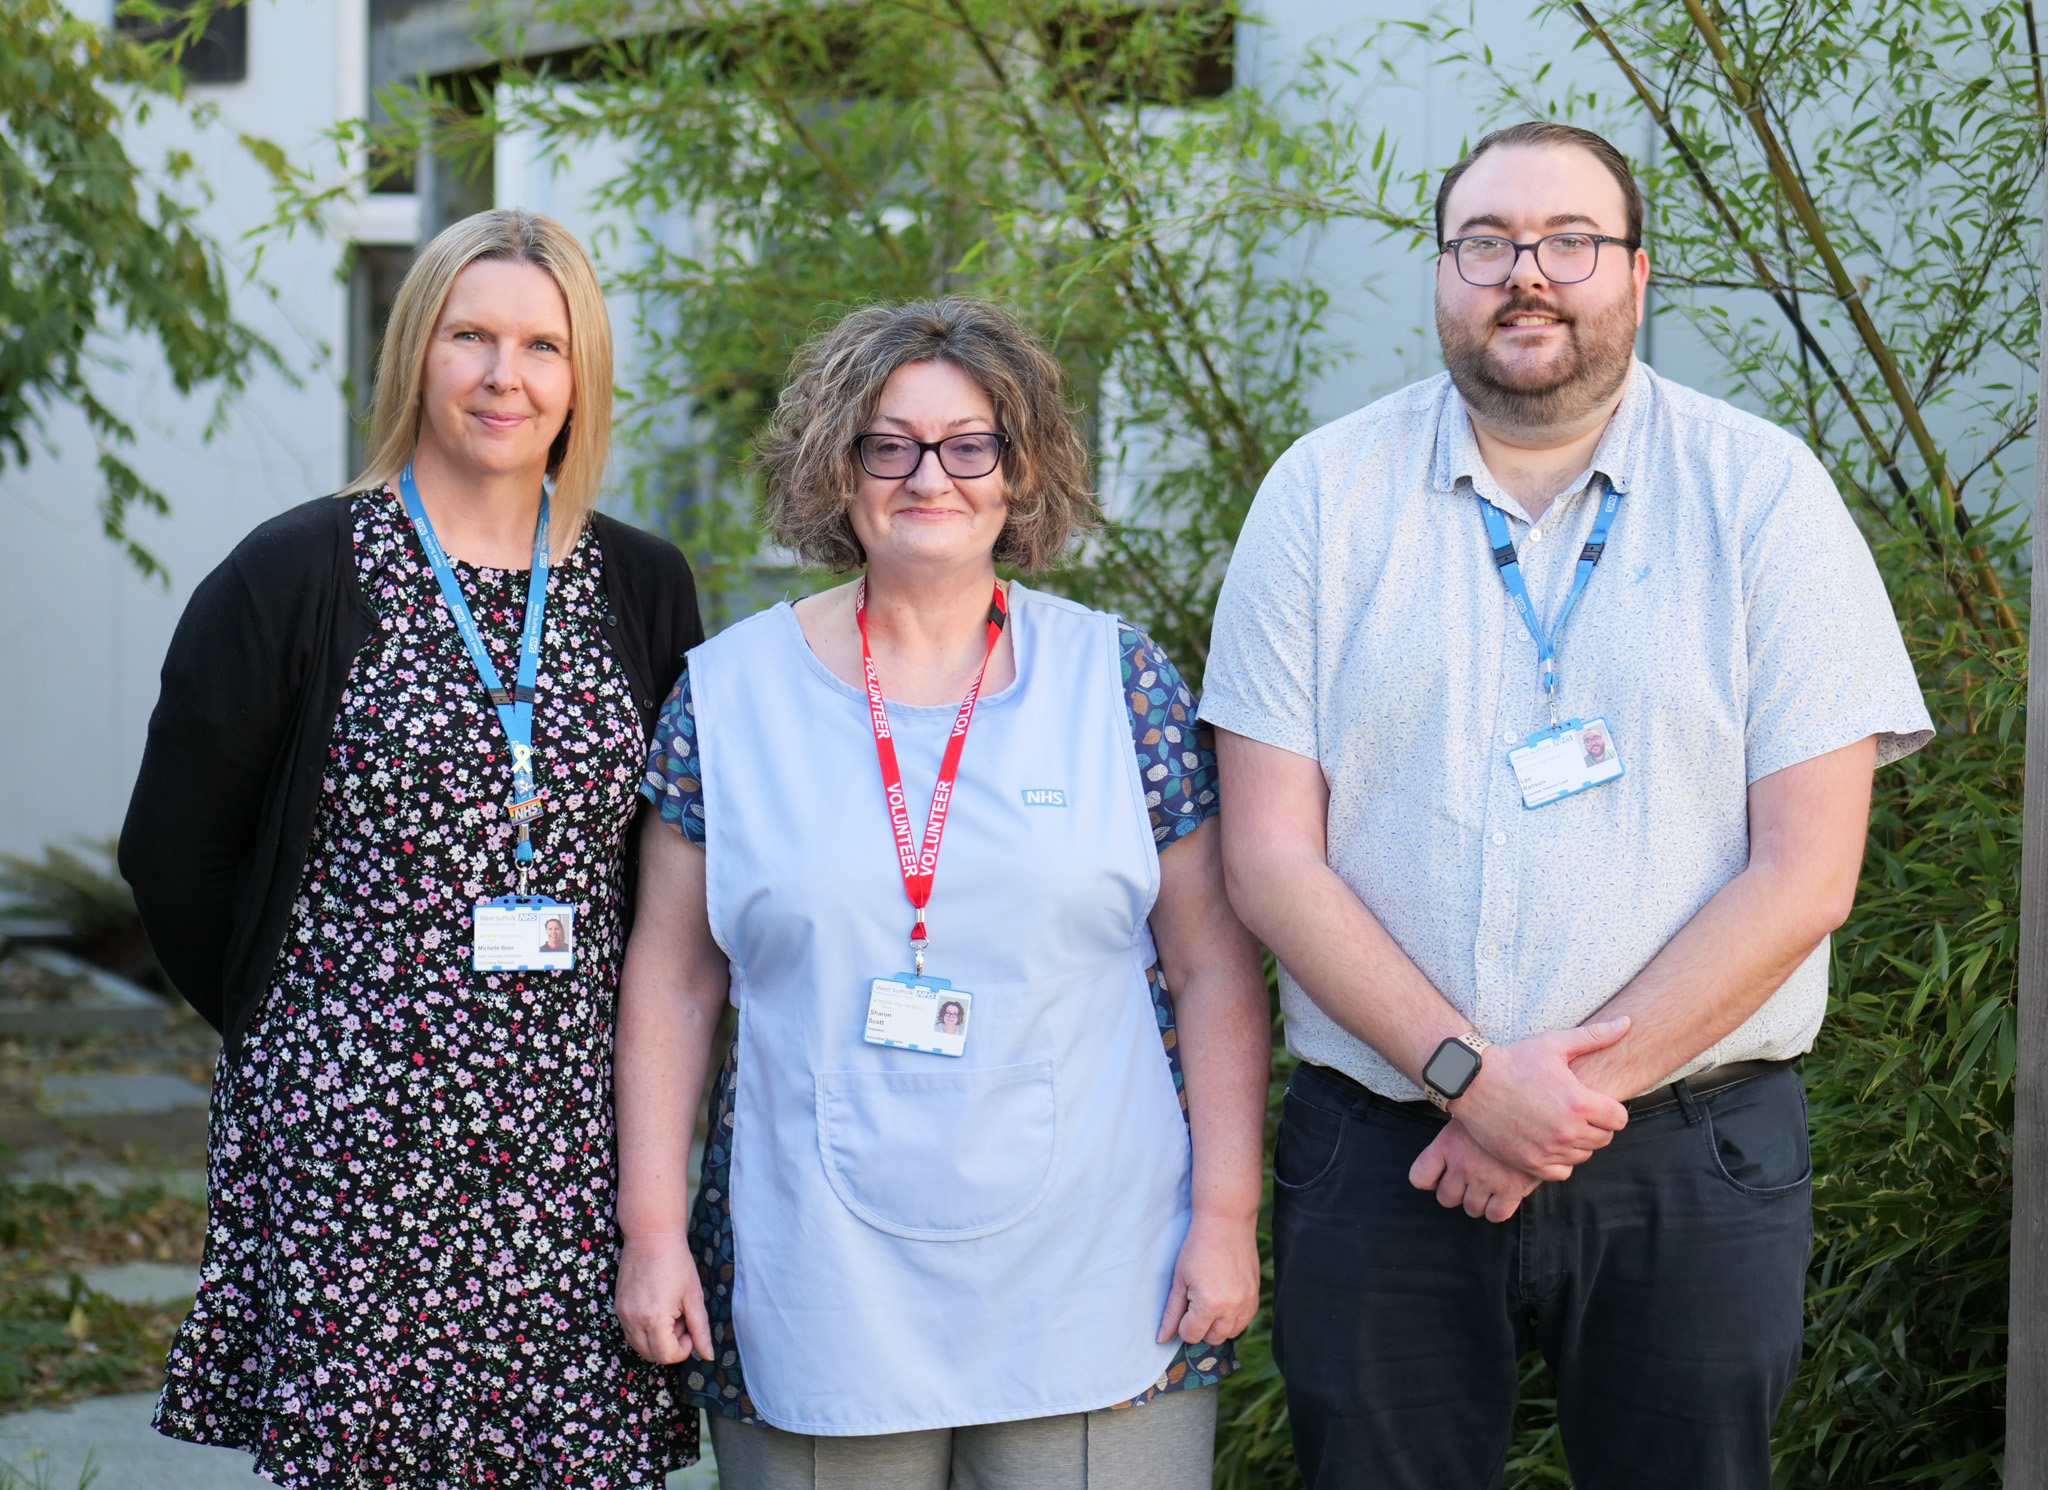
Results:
920 866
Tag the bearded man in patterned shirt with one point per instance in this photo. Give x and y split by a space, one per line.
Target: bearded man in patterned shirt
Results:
1437 607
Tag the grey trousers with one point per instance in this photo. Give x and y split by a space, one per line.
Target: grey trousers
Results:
1165 1445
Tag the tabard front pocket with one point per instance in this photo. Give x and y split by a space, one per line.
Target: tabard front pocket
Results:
939 1155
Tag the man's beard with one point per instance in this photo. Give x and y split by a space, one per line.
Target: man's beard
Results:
1594 366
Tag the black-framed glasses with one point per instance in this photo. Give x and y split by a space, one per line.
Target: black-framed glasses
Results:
963 457
1487 259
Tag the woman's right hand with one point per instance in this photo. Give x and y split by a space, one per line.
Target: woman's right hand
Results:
660 1301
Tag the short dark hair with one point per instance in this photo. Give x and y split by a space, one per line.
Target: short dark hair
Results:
1550 132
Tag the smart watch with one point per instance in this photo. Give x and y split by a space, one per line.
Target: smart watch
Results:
1450 1071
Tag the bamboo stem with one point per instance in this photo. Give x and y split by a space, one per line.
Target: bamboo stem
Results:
1782 295
1750 102
2034 58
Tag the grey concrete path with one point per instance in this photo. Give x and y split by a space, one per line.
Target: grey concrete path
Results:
109 1179
136 1282
140 1093
113 1435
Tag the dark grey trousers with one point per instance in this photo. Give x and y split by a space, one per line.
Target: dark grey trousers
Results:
1663 1282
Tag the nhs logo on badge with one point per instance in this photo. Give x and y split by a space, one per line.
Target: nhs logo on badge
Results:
1044 796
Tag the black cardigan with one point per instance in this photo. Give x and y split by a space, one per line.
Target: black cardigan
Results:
223 812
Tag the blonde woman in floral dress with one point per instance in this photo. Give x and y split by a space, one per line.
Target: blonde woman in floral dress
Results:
411 1249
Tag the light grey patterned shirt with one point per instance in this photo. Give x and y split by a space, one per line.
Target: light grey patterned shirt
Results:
1735 626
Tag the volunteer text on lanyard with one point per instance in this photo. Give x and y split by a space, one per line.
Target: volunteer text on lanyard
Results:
1571 756
512 932
911 1011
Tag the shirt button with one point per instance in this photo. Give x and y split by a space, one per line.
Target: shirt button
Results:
1499 838
1535 535
1524 631
1507 737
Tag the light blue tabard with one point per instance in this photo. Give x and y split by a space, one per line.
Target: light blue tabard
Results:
921 1241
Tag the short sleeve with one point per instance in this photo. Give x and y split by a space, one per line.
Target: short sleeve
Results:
674 782
1827 666
1260 680
1176 756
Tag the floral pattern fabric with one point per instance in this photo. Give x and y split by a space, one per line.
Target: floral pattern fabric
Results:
410 1245
1176 761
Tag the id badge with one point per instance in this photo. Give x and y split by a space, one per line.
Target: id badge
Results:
907 1012
1564 760
524 934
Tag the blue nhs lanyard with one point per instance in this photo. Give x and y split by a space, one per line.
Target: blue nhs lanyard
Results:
1510 566
515 707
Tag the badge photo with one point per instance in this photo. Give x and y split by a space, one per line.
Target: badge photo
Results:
524 934
1564 760
907 1012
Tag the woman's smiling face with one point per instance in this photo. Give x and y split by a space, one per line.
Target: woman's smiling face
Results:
930 517
497 384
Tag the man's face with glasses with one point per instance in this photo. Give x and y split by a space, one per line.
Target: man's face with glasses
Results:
1538 295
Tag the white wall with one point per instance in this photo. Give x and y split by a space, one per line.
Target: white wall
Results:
81 633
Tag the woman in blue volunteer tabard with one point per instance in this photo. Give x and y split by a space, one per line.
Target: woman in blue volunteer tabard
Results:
978 1203
383 714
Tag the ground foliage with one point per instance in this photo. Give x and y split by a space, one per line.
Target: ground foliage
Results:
80 888
93 244
60 1340
1846 206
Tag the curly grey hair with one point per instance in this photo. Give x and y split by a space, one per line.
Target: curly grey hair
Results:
835 383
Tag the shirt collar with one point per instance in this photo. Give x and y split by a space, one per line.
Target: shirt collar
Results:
1617 457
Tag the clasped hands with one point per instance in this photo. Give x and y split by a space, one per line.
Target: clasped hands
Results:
1526 1118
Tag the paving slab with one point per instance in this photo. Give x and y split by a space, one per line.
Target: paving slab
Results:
138 1094
135 1282
114 1433
99 1002
187 1182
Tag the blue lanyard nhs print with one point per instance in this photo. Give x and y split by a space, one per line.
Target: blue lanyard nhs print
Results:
1571 755
1510 566
514 705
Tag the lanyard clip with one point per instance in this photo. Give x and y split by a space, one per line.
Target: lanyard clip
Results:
920 938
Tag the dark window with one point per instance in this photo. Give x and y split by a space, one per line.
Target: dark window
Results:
220 54
374 276
1097 45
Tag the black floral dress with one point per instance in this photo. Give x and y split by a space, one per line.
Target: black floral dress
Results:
410 1245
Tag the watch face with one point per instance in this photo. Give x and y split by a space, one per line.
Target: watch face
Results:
1451 1069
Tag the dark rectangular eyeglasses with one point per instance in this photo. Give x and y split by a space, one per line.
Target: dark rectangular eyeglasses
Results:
1486 259
963 457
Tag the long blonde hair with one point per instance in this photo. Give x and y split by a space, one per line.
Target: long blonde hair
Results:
577 458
